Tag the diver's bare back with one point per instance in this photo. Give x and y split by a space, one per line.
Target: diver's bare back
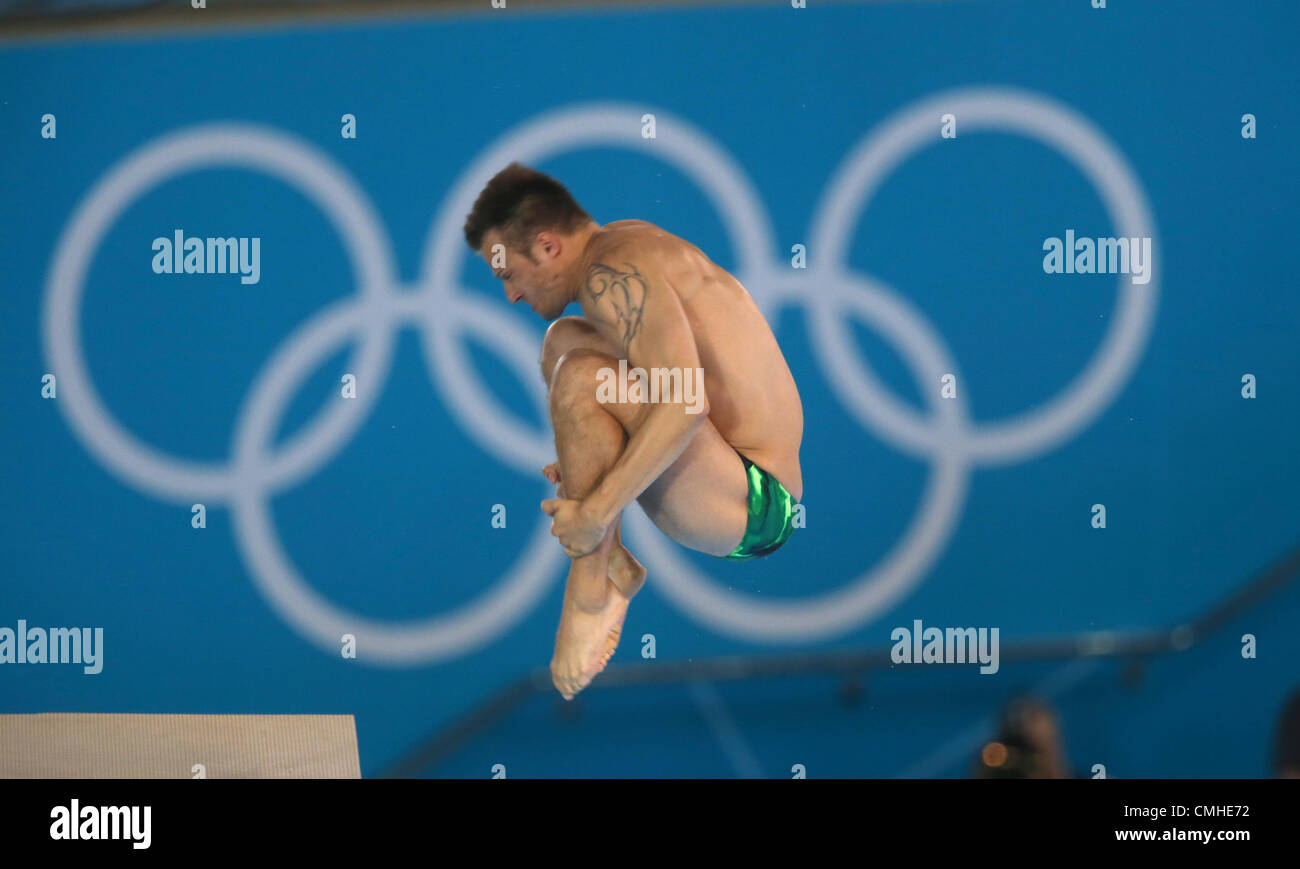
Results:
753 401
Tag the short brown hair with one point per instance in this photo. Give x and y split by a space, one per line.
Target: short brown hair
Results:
521 202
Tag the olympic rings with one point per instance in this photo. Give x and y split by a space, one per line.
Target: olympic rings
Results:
442 311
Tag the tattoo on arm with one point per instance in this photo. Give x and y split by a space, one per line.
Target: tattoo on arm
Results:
627 290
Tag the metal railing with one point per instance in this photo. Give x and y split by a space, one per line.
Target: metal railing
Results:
1135 644
24 19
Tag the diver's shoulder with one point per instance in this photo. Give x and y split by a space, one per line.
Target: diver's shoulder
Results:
624 227
642 239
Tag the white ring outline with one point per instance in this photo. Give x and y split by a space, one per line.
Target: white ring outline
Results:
204 146
246 482
394 643
1062 129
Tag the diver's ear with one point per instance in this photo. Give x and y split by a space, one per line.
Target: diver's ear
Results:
547 245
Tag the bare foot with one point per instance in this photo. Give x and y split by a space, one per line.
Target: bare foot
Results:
615 612
585 642
625 571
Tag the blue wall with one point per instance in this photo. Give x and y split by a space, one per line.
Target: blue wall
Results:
391 521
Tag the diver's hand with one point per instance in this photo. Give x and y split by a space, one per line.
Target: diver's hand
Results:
579 530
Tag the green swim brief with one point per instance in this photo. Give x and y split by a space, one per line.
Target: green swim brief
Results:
771 515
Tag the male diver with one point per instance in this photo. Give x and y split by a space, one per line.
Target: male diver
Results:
714 464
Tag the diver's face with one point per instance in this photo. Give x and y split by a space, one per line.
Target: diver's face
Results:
536 281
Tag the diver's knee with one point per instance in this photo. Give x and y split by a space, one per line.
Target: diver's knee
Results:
565 334
577 376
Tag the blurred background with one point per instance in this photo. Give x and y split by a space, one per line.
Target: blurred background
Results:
1161 645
